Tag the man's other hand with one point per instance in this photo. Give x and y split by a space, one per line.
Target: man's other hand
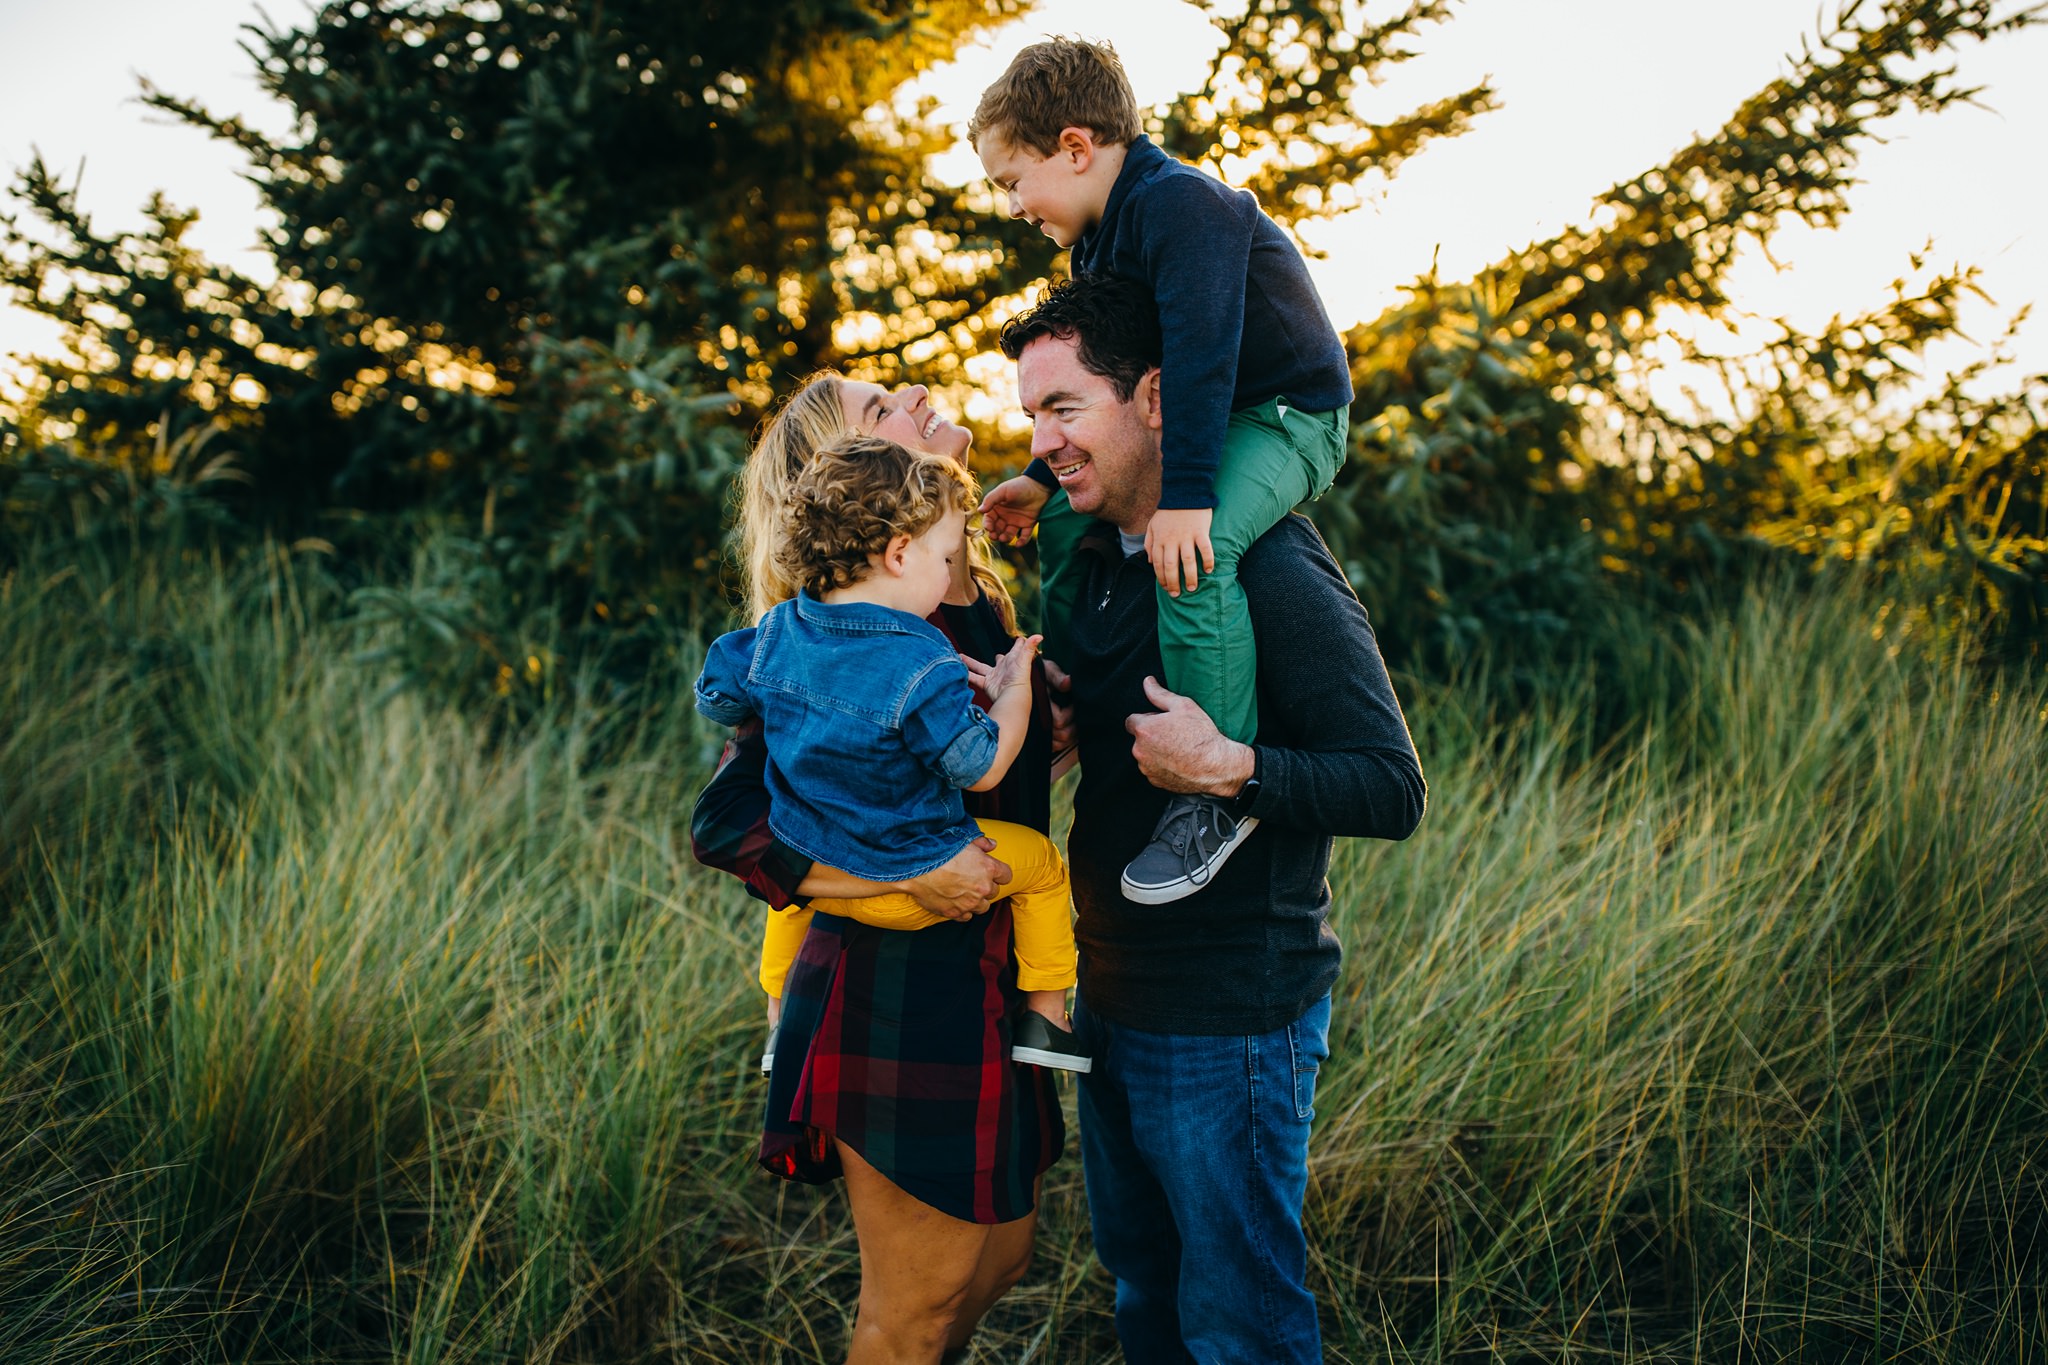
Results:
1179 749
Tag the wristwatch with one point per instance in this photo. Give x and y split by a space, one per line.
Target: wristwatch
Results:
1241 804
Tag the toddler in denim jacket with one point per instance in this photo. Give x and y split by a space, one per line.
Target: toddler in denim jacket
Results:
870 721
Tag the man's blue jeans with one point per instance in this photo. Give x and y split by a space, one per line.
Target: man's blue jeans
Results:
1196 1155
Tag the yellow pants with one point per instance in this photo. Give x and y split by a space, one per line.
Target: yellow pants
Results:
1041 910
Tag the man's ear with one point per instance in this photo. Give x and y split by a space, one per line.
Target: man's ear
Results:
1077 145
1146 395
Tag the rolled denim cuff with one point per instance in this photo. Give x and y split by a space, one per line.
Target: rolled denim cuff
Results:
967 759
721 709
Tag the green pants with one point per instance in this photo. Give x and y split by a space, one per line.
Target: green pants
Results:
1274 457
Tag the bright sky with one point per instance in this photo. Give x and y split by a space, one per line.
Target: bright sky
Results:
1633 81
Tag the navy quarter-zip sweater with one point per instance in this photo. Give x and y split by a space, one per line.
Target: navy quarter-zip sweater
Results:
1252 950
1240 319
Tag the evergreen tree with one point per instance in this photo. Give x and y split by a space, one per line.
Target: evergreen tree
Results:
1513 467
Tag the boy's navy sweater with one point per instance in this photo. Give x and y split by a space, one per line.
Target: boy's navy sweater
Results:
1239 317
1252 950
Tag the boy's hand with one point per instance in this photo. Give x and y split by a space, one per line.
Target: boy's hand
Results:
1012 670
1011 509
1175 542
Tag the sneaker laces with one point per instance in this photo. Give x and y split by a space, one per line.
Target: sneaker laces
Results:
1180 828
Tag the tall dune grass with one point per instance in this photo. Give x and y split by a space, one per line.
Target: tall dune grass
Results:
355 1029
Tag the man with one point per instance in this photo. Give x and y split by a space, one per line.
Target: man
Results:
1207 1018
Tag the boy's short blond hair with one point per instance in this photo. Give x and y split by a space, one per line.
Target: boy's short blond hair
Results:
854 497
1059 83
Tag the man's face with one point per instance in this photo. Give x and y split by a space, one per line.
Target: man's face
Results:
1103 449
1055 194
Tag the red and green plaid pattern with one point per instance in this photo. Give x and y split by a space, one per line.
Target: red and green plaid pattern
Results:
880 1048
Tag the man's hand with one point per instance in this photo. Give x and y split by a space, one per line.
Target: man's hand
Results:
1179 749
1176 542
1011 509
965 886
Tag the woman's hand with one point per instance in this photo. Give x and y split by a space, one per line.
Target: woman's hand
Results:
964 886
1011 509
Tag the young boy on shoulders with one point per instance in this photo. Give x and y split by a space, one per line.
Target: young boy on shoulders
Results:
1255 389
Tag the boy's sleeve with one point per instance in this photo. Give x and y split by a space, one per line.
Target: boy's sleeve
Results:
721 687
1195 241
943 727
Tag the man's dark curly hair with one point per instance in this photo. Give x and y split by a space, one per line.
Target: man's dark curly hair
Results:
1113 322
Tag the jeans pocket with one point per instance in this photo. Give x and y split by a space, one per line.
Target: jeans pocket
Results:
1304 1088
1308 1040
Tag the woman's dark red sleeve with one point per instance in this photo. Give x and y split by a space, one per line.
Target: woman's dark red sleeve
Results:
729 827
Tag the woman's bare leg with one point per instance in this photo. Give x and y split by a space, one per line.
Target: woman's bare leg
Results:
925 1278
1005 1256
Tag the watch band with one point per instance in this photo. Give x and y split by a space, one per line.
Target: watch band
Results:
1248 795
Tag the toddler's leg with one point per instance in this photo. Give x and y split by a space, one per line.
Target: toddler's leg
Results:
779 944
1042 937
1041 909
786 928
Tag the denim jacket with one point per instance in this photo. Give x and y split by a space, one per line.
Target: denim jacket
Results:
872 731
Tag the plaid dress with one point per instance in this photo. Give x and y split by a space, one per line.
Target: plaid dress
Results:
898 1043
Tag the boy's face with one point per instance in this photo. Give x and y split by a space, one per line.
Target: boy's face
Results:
1055 194
928 564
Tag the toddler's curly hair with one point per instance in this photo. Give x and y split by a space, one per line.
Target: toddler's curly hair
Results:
854 497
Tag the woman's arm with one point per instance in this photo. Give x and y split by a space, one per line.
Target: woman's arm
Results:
729 826
963 887
729 832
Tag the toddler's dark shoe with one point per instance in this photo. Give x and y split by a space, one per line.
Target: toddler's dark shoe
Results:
1038 1041
1195 836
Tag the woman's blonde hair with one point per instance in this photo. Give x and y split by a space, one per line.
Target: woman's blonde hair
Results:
855 497
812 418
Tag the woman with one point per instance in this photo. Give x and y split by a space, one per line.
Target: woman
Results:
887 1038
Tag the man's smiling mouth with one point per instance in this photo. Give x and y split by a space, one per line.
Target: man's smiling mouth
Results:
1063 472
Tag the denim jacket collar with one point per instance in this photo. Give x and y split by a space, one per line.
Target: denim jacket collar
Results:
861 618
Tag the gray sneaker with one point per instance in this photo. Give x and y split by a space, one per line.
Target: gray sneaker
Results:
1193 839
1039 1041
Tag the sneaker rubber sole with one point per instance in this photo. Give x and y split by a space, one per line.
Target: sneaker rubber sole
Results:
1060 1061
1181 886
